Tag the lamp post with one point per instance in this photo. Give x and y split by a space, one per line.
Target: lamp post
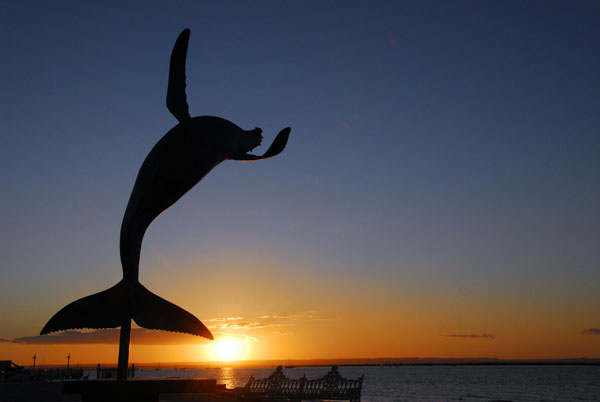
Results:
34 357
68 360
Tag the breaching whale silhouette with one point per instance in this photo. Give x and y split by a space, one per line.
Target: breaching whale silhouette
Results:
187 153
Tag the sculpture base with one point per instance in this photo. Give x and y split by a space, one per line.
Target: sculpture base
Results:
139 389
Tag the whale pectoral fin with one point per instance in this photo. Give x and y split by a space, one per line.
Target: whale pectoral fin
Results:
176 98
276 147
153 312
105 309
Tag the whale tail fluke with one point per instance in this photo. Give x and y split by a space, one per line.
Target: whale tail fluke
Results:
153 312
111 307
100 310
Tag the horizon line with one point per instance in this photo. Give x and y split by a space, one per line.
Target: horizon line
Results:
359 361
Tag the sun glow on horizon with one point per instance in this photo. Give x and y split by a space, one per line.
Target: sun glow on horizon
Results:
227 349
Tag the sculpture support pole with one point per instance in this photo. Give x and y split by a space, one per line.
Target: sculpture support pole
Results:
124 349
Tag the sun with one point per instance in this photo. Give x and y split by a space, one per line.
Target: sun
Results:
228 349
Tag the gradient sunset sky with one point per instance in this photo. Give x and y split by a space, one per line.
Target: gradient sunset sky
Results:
439 195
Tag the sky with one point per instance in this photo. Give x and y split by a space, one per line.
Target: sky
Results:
438 196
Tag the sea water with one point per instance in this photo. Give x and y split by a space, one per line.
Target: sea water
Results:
434 383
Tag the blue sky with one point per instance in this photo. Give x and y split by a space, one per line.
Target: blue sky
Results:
436 148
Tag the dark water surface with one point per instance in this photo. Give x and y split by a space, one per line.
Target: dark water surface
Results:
436 383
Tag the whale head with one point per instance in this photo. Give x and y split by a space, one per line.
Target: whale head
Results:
241 142
251 139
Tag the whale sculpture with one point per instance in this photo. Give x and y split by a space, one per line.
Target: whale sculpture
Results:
187 153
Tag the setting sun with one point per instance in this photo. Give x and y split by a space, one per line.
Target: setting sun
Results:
228 349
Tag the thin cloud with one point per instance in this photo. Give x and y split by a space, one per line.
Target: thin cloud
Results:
247 325
309 315
103 336
243 325
264 321
590 331
139 336
473 336
281 333
4 340
223 319
248 338
281 317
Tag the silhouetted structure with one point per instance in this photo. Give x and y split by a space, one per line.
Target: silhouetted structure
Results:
12 372
280 388
187 153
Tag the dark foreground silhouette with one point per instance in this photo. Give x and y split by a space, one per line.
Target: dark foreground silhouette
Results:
279 387
187 153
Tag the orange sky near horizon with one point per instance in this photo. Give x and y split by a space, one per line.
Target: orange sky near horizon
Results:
331 316
325 341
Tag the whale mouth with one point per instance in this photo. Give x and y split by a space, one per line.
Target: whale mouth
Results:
254 138
276 147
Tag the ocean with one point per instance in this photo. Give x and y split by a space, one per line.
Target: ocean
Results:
434 383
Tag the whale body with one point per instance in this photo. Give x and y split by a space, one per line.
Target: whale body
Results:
181 158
